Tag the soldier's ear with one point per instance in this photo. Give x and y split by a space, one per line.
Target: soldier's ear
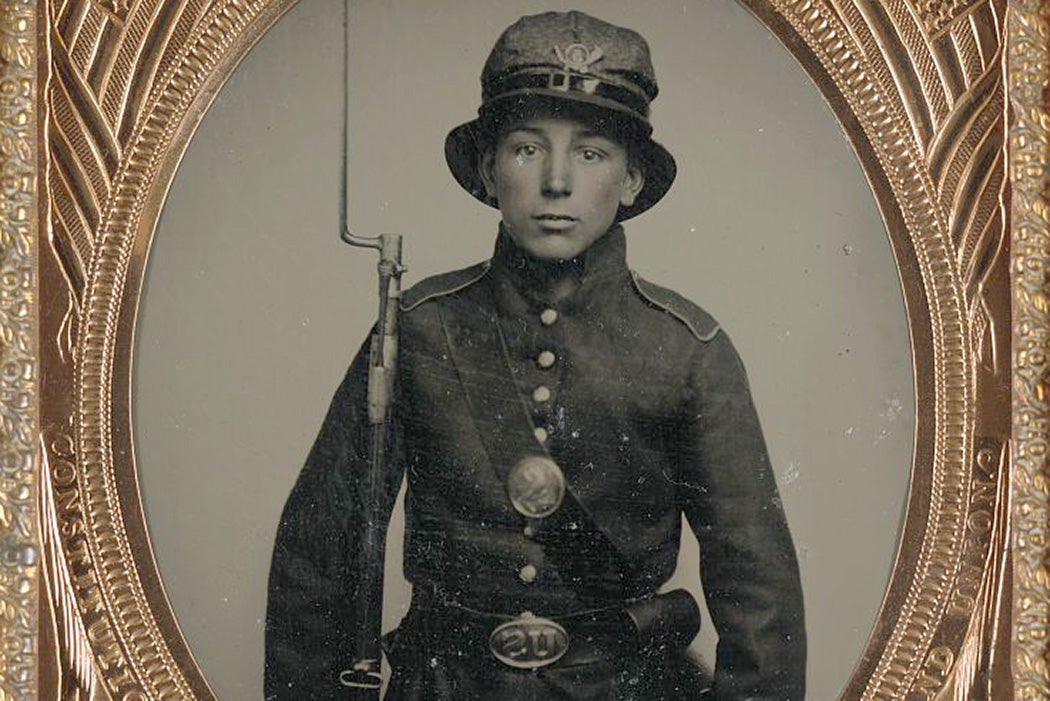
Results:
487 171
632 185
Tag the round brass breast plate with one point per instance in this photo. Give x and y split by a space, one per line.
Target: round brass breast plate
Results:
536 486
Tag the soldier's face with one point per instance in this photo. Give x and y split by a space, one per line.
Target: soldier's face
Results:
559 185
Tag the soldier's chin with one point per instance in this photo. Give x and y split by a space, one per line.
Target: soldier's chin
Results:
554 247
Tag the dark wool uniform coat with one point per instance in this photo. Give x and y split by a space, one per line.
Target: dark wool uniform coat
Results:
641 400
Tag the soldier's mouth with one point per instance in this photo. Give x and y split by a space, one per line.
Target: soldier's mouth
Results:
555 226
555 222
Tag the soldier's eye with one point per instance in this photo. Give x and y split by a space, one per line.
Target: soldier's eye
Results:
525 150
590 155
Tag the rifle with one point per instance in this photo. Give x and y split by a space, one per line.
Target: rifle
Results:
365 671
364 677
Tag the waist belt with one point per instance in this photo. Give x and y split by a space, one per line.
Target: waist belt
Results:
530 640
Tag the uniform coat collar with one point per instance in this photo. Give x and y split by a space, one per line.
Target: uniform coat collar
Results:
523 283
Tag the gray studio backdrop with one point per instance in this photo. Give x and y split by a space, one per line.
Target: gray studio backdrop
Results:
253 308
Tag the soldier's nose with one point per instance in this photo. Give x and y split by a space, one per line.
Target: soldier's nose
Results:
557 180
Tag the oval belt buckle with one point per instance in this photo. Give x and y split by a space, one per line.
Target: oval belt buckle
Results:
536 486
529 642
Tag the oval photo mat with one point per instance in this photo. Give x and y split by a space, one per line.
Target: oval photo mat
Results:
770 226
251 312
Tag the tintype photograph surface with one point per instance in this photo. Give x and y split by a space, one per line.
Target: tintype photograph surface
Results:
691 376
769 234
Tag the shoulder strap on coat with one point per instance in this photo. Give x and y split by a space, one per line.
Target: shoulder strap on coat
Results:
441 285
699 322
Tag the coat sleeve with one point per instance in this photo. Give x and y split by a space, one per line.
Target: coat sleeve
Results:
315 595
748 564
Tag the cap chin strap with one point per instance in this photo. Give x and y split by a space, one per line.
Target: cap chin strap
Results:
621 98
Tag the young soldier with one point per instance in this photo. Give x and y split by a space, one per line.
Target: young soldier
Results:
555 416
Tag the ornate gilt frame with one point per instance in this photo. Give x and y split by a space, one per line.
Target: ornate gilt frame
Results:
945 102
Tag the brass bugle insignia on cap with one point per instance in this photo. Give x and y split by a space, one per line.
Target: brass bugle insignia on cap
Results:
536 486
578 57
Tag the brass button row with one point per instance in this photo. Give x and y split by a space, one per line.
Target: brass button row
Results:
545 360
